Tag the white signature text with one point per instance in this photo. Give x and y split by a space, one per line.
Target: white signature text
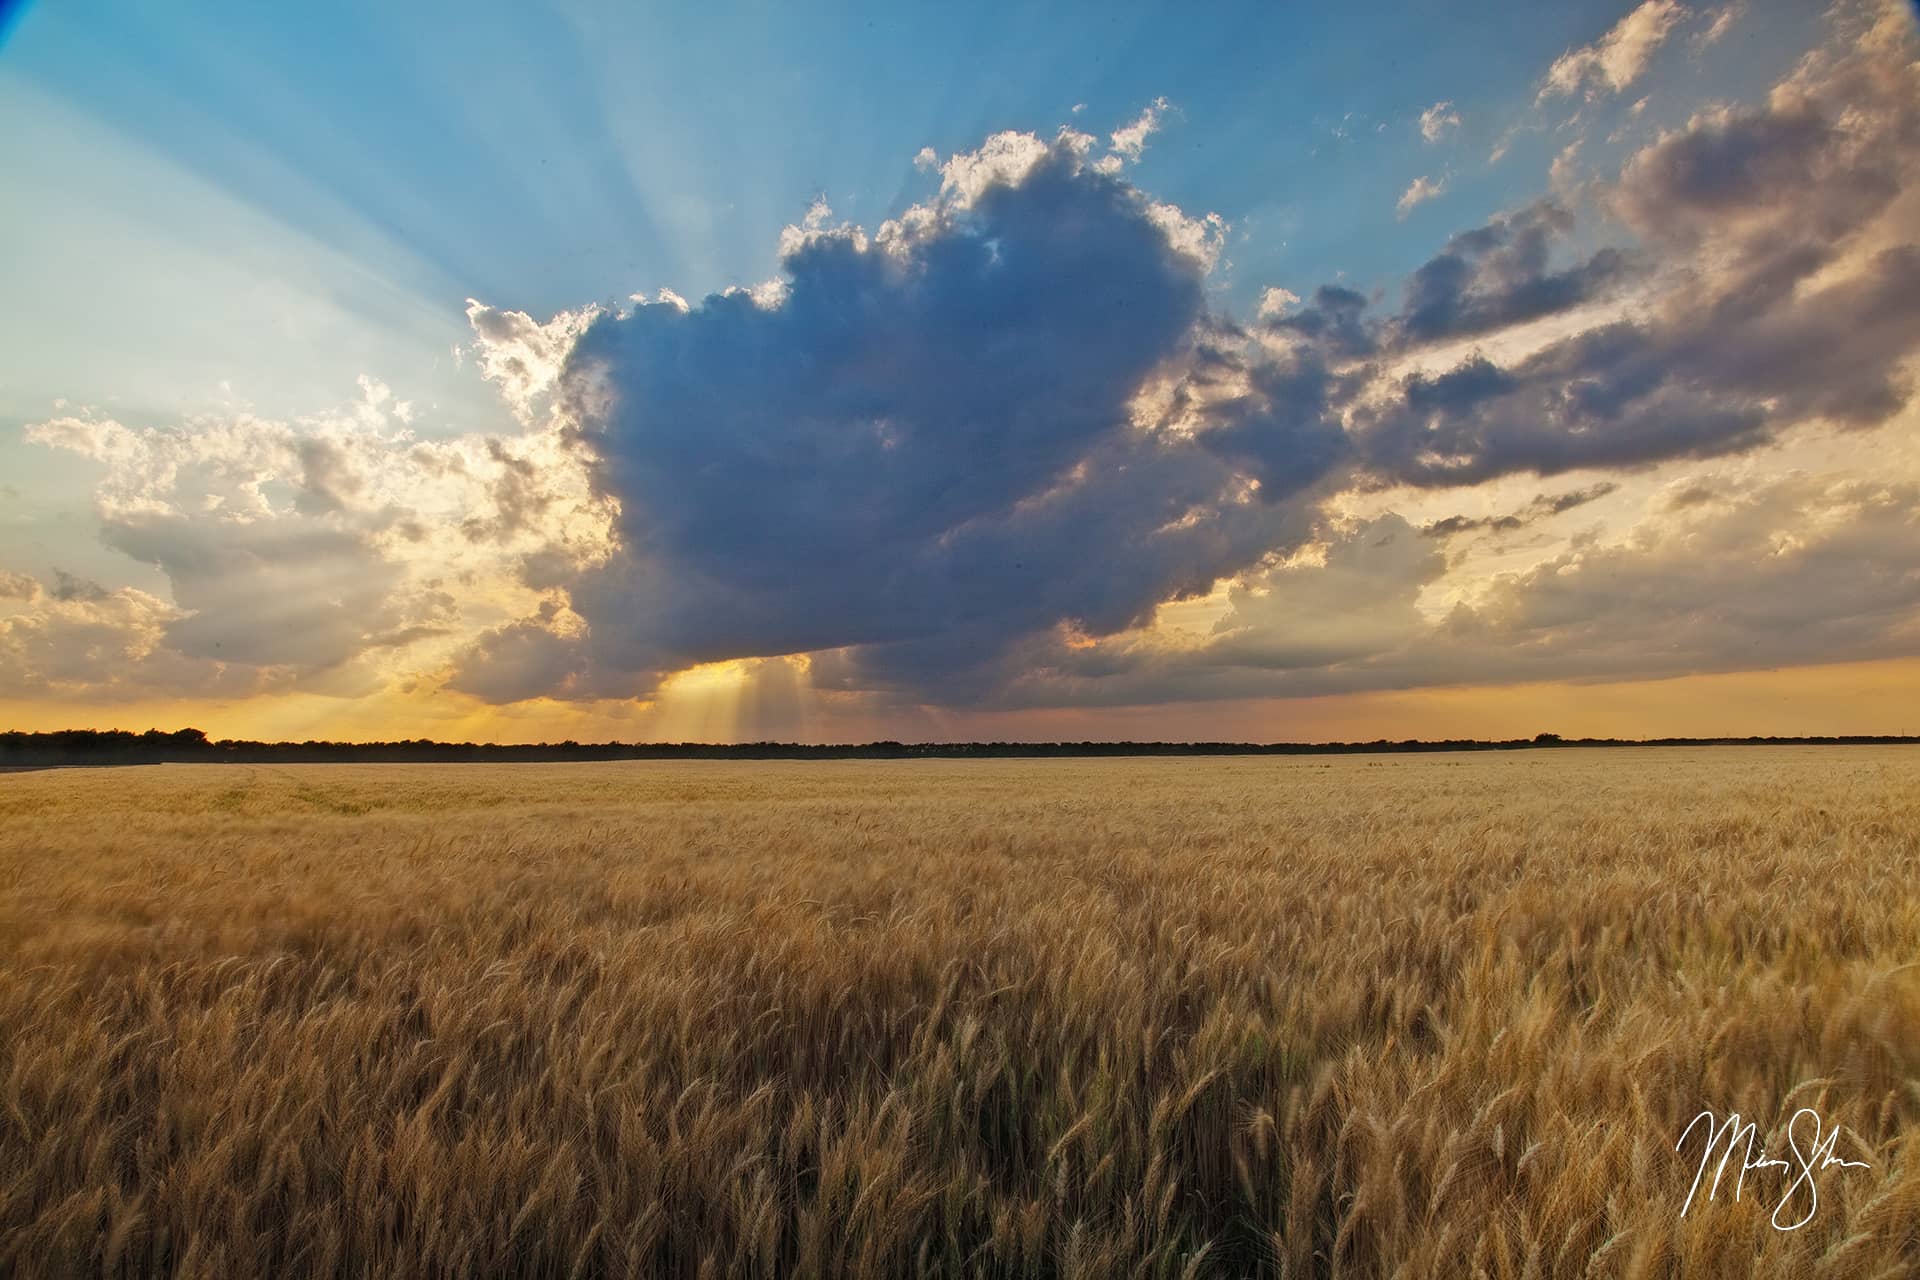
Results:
1808 1153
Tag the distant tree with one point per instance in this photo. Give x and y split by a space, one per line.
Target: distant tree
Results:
120 746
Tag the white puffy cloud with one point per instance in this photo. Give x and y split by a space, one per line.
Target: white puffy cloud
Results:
1418 192
1130 141
1275 302
1613 62
90 643
1437 120
299 551
1719 23
1004 159
521 356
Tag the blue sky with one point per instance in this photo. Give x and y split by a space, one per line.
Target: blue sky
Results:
390 161
240 243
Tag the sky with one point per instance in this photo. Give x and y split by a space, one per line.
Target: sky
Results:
827 373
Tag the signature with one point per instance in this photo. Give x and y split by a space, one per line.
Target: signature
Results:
1732 1135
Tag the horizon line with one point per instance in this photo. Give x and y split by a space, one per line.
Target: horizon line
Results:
189 745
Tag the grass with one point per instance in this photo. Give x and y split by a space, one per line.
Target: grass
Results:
1436 1015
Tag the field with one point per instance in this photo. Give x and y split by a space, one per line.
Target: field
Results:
1406 1015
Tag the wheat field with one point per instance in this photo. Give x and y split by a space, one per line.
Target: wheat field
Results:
1438 1015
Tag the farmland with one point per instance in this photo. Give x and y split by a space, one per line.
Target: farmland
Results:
1415 1015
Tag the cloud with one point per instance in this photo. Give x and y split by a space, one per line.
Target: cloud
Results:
1786 572
94 644
69 588
1421 190
1004 159
256 580
1332 324
833 476
1349 597
520 356
1775 284
1437 119
1831 148
970 456
1697 379
1500 274
911 455
18 586
1130 141
1352 603
1544 506
1720 23
306 553
528 658
1275 301
1562 176
282 593
1793 571
1618 58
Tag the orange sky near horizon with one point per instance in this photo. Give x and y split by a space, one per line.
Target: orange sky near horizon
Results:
1880 697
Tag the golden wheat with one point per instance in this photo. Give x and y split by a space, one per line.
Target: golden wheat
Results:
1404 1016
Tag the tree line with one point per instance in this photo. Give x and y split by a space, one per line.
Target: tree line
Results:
193 746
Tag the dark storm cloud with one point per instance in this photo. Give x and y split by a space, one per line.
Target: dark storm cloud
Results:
1801 171
1742 215
1612 398
960 462
1333 322
924 450
524 659
1698 379
1750 210
1293 628
1274 415
1500 275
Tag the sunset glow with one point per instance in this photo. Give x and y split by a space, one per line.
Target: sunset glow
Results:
1174 388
